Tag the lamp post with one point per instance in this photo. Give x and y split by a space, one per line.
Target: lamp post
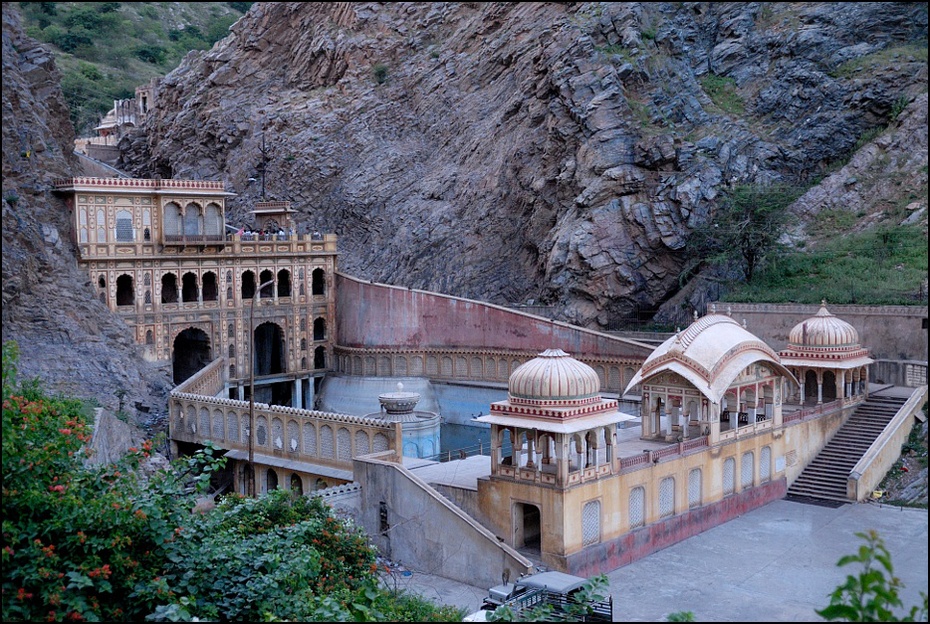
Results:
255 295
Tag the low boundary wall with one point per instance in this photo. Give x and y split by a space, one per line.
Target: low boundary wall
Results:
869 472
409 521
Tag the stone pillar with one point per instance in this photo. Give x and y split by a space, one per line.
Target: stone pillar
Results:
562 458
298 393
751 415
734 420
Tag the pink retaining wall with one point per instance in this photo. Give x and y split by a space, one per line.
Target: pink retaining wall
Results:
381 316
647 540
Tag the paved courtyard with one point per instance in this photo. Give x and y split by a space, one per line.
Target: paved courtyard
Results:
773 564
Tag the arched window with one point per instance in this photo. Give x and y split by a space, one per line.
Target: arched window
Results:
271 480
319 282
746 470
213 220
284 283
232 350
694 488
248 285
303 344
82 220
169 288
303 323
591 523
729 476
209 286
147 235
193 220
637 507
231 330
102 282
667 497
124 291
149 337
124 231
265 277
148 297
297 485
172 219
101 226
189 287
765 464
319 329
319 357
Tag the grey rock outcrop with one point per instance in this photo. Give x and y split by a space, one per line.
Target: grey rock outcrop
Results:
558 153
66 337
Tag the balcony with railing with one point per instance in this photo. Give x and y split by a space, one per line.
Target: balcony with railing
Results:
194 239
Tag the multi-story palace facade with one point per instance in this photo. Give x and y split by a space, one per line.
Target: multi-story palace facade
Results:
193 287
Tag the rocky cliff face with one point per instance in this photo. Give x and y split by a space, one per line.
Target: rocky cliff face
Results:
557 153
554 152
65 336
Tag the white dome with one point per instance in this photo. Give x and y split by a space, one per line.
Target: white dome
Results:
554 376
823 330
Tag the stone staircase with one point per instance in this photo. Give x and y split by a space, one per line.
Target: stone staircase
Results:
826 476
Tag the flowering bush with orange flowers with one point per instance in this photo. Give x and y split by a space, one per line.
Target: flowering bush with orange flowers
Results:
103 544
76 540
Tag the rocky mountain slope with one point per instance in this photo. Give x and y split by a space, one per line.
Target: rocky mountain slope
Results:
558 153
65 336
553 152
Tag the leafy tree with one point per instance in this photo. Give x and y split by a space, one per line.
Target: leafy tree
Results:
872 595
119 543
745 230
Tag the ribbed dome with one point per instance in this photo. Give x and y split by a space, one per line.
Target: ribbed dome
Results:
554 376
823 330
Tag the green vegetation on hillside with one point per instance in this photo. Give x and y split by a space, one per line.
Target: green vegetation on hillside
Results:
883 266
106 49
744 232
83 543
722 91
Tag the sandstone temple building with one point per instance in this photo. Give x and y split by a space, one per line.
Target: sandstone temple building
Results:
599 450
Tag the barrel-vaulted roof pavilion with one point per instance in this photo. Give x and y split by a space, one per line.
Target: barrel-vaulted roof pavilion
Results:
710 354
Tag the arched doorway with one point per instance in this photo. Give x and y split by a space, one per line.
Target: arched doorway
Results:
527 527
810 387
269 359
829 386
191 353
125 295
269 350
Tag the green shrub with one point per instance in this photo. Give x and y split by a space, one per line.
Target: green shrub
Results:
722 92
150 54
105 544
380 72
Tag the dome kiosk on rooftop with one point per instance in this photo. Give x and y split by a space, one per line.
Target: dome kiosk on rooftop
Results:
552 433
714 376
825 355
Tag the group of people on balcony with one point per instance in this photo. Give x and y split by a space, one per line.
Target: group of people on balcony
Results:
248 234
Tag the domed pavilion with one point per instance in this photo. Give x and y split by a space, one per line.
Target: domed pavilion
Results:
827 358
554 420
714 376
553 432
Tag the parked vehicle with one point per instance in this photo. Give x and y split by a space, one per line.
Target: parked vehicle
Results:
557 589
